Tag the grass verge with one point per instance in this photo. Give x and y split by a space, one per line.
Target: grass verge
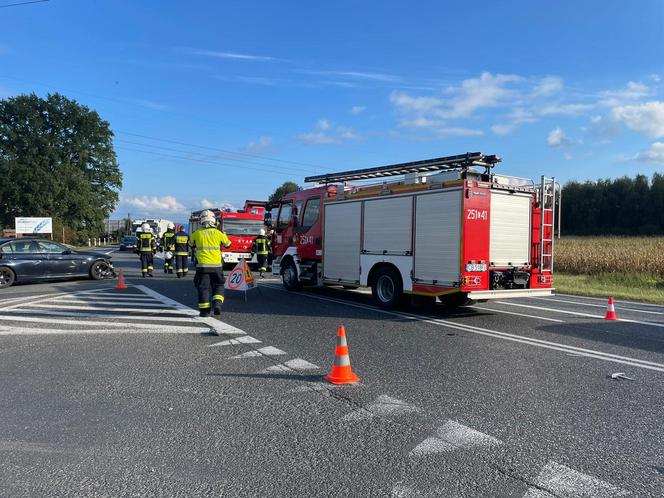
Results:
628 286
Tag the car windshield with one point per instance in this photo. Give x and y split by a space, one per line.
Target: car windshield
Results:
242 227
129 240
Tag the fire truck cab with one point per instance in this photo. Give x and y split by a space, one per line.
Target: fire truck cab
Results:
449 228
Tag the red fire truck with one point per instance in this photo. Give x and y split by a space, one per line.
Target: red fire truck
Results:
449 228
241 226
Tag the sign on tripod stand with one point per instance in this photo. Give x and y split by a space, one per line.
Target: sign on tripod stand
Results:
241 279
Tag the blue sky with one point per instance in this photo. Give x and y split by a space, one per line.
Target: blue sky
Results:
216 102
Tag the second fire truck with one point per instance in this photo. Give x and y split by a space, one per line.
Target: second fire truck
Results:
449 228
240 226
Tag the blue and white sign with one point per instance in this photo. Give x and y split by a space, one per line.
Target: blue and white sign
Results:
34 225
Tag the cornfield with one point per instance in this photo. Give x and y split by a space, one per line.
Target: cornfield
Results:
600 255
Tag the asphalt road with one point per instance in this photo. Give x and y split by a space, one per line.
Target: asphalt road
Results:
124 393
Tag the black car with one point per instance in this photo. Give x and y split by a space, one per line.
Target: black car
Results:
39 259
128 243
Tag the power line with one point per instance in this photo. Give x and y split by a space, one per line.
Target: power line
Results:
295 170
21 3
220 150
216 163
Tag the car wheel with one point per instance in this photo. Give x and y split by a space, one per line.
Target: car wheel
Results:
289 278
7 277
387 288
100 270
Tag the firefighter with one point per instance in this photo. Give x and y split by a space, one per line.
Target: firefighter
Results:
168 246
147 246
181 253
261 248
209 278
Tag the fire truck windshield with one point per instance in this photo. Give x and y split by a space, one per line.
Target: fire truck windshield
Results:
242 227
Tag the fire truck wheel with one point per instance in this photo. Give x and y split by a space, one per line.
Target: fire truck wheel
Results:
387 288
289 277
456 300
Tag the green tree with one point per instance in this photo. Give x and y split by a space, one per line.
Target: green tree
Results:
56 159
285 188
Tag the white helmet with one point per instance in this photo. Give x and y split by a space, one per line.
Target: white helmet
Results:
171 226
262 232
208 218
146 227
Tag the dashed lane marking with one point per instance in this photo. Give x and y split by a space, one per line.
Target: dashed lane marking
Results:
245 339
266 351
298 364
589 353
454 436
554 310
383 406
562 481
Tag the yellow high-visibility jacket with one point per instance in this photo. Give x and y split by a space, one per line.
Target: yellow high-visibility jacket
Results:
208 243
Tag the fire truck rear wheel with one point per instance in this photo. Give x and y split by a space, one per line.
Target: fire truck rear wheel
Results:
387 287
289 277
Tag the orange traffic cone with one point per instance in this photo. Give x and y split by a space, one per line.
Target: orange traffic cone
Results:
121 281
610 311
341 372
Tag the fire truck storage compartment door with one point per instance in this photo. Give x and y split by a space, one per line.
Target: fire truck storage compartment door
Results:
388 225
509 230
341 247
437 233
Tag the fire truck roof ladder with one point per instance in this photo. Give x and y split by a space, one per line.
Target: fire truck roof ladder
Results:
461 161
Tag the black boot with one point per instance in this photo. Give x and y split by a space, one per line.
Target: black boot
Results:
217 307
204 313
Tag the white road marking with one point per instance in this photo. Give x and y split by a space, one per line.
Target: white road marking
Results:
554 310
565 482
245 339
70 331
114 323
590 353
518 314
618 307
617 301
298 364
4 302
83 307
383 406
10 314
102 299
266 351
400 491
452 436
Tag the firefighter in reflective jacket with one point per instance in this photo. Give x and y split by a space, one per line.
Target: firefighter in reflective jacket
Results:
168 245
147 246
209 278
261 248
181 253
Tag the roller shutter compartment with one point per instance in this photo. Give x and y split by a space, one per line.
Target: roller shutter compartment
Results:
510 229
341 244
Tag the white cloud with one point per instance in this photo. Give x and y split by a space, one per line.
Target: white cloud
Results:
316 138
459 132
347 133
654 155
655 77
503 129
206 204
323 124
261 145
548 85
565 109
155 204
475 93
408 104
357 109
420 122
230 55
353 75
567 156
632 91
557 138
647 118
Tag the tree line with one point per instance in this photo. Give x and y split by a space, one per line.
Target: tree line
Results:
57 160
623 206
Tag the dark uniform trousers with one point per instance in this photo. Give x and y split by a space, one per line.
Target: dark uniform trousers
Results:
181 265
147 261
209 281
146 246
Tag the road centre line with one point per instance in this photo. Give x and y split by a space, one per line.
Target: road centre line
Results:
518 314
617 301
102 308
496 334
60 321
618 307
652 324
